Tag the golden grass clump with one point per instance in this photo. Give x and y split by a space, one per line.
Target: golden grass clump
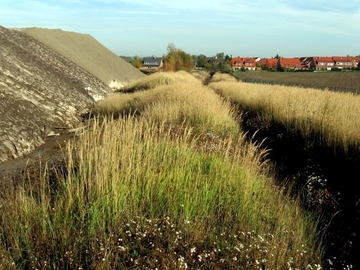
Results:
157 79
136 195
121 104
223 77
187 101
330 116
202 75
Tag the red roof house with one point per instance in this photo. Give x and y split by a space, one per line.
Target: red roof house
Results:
356 62
250 63
262 62
290 63
236 63
269 63
307 62
324 63
343 62
246 63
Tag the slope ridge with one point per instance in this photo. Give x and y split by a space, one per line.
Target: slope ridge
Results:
88 53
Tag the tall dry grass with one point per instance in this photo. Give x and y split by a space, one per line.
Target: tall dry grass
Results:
223 77
160 78
144 192
132 171
329 116
183 99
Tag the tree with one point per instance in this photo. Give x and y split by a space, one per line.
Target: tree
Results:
226 67
136 61
177 59
220 57
201 61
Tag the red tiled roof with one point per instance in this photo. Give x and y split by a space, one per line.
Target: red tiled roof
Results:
237 61
290 62
250 62
263 61
343 62
269 62
243 61
272 61
324 59
341 59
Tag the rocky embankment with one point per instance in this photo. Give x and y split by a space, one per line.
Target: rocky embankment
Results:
40 92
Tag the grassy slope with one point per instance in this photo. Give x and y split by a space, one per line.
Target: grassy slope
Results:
145 191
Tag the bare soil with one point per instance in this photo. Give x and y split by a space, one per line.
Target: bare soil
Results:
334 81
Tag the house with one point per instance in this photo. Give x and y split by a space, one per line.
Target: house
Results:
250 63
262 62
152 62
236 63
241 63
324 63
307 63
356 62
289 64
343 62
269 63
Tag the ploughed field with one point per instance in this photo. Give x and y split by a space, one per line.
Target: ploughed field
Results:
334 81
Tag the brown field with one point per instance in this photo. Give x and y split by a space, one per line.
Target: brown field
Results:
335 81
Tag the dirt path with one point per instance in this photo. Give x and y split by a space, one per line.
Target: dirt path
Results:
51 153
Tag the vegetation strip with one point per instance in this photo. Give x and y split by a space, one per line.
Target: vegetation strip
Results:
141 190
314 139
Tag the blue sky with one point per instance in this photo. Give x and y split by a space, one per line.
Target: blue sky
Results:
235 27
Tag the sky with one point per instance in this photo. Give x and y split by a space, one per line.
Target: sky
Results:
247 28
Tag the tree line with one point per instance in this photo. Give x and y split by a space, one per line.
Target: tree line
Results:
176 59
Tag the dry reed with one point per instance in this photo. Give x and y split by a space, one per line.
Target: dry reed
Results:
184 101
330 116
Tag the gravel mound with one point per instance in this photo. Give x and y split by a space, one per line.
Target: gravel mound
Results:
88 53
45 89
